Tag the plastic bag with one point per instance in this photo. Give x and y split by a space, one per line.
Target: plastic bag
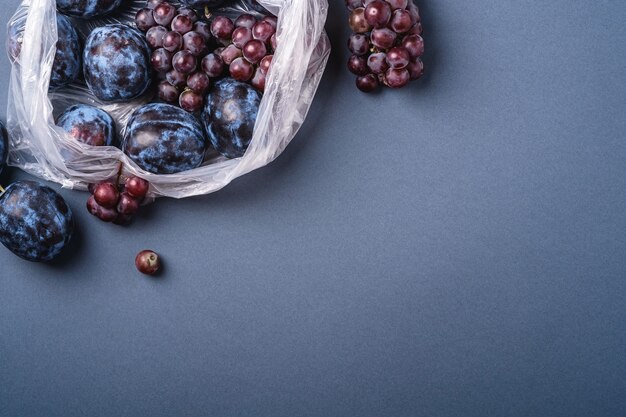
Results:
39 147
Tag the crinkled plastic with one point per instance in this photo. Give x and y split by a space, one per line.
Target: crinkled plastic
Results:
39 147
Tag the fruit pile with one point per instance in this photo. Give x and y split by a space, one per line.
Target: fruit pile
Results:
386 45
118 204
186 56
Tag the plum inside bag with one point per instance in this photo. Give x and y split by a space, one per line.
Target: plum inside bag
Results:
41 148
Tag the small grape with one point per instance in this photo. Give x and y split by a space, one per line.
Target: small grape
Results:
416 69
230 53
359 44
358 65
272 20
127 205
397 78
414 12
182 24
398 4
222 27
254 51
212 65
144 19
383 38
161 60
189 12
198 82
378 13
194 43
184 62
155 35
151 4
274 41
241 36
414 44
106 194
104 214
137 187
203 29
266 63
263 31
241 70
172 41
175 78
147 262
164 13
353 4
357 21
398 57
416 29
258 80
167 92
190 101
401 21
245 21
367 83
377 63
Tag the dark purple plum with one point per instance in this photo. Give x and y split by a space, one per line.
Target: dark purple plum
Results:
86 9
229 116
88 124
4 146
117 63
164 139
35 221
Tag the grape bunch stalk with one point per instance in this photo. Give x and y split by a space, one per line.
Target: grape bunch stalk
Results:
386 43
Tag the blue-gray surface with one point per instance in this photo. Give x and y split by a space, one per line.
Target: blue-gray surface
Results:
457 248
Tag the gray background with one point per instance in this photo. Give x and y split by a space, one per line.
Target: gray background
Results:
456 248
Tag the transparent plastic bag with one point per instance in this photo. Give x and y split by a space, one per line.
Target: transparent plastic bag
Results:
39 147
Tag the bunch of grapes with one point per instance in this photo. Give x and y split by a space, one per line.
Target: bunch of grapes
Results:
109 204
386 45
179 40
247 48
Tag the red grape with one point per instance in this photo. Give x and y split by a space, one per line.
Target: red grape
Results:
266 63
176 78
212 65
182 24
416 69
358 65
106 194
357 21
263 31
203 29
167 92
172 41
397 78
128 204
222 27
254 51
190 101
383 38
144 19
155 35
258 80
398 4
164 13
414 44
147 262
161 60
398 57
241 36
367 83
272 20
401 21
184 62
378 13
198 82
137 187
230 53
359 44
377 63
189 12
194 43
241 70
245 21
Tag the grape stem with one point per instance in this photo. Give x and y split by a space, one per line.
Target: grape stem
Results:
1 190
207 12
119 173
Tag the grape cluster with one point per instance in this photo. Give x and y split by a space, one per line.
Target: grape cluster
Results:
246 51
110 204
179 40
386 45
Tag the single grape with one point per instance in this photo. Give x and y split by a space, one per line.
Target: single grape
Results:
167 92
161 60
147 262
151 4
274 41
241 36
204 29
194 43
358 65
397 78
103 213
212 65
175 78
127 205
263 31
164 13
398 4
184 62
222 27
155 35
190 101
415 68
414 44
377 62
266 63
241 70
398 57
359 44
230 53
245 21
106 194
258 80
383 38
378 13
182 24
272 20
353 4
198 82
144 19
172 41
367 83
401 21
357 21
414 12
416 29
137 187
189 12
254 51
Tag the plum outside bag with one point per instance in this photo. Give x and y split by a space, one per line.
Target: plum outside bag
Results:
41 148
